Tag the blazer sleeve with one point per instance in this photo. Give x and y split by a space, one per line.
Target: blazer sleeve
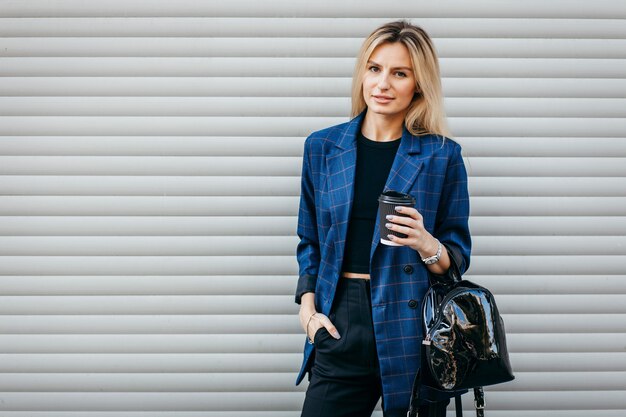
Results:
452 219
308 249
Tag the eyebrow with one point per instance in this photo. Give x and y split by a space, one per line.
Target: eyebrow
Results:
375 63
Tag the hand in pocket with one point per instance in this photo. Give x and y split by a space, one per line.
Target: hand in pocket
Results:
319 321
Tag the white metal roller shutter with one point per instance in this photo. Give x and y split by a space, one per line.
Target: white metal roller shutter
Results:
150 157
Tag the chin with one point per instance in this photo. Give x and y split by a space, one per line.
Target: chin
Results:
376 108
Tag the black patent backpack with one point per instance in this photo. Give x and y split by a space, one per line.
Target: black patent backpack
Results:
464 345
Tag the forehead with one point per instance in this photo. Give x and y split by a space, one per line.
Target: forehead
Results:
391 54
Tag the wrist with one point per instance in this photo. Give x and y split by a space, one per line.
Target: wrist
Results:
434 258
307 303
306 312
430 249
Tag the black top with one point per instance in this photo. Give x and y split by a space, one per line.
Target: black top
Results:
373 164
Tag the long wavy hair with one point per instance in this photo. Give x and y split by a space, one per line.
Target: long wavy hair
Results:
426 114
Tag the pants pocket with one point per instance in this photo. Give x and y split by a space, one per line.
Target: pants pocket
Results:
354 354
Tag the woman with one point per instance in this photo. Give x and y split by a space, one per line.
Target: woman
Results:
360 299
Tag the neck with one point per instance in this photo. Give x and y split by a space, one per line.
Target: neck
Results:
382 127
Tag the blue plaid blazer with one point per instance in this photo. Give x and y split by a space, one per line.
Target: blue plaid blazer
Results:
432 171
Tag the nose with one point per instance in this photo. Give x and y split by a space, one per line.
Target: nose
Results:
383 84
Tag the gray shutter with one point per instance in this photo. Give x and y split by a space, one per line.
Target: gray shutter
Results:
150 157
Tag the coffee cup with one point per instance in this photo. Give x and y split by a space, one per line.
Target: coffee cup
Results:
387 202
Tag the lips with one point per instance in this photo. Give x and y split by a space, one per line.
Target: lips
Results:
382 99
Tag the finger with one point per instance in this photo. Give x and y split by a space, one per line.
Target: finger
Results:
401 229
331 328
410 221
411 211
333 332
404 241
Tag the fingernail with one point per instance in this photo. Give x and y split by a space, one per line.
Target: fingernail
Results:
399 208
336 335
388 225
390 236
389 217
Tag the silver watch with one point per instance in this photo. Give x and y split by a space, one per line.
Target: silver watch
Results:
435 258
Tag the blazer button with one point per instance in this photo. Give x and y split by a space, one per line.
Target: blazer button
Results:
408 269
412 303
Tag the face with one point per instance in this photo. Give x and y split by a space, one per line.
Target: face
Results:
389 82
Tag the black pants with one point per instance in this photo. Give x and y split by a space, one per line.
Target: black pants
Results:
345 376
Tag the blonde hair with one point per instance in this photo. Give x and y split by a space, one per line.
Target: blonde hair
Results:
426 112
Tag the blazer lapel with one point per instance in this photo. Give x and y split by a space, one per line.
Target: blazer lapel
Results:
341 165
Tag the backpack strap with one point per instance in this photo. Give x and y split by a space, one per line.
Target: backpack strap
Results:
458 406
479 401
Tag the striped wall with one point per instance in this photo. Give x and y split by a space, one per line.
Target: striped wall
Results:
150 154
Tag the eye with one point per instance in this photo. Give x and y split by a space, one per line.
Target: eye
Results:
400 72
372 67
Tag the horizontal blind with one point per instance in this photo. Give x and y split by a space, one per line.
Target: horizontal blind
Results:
150 157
